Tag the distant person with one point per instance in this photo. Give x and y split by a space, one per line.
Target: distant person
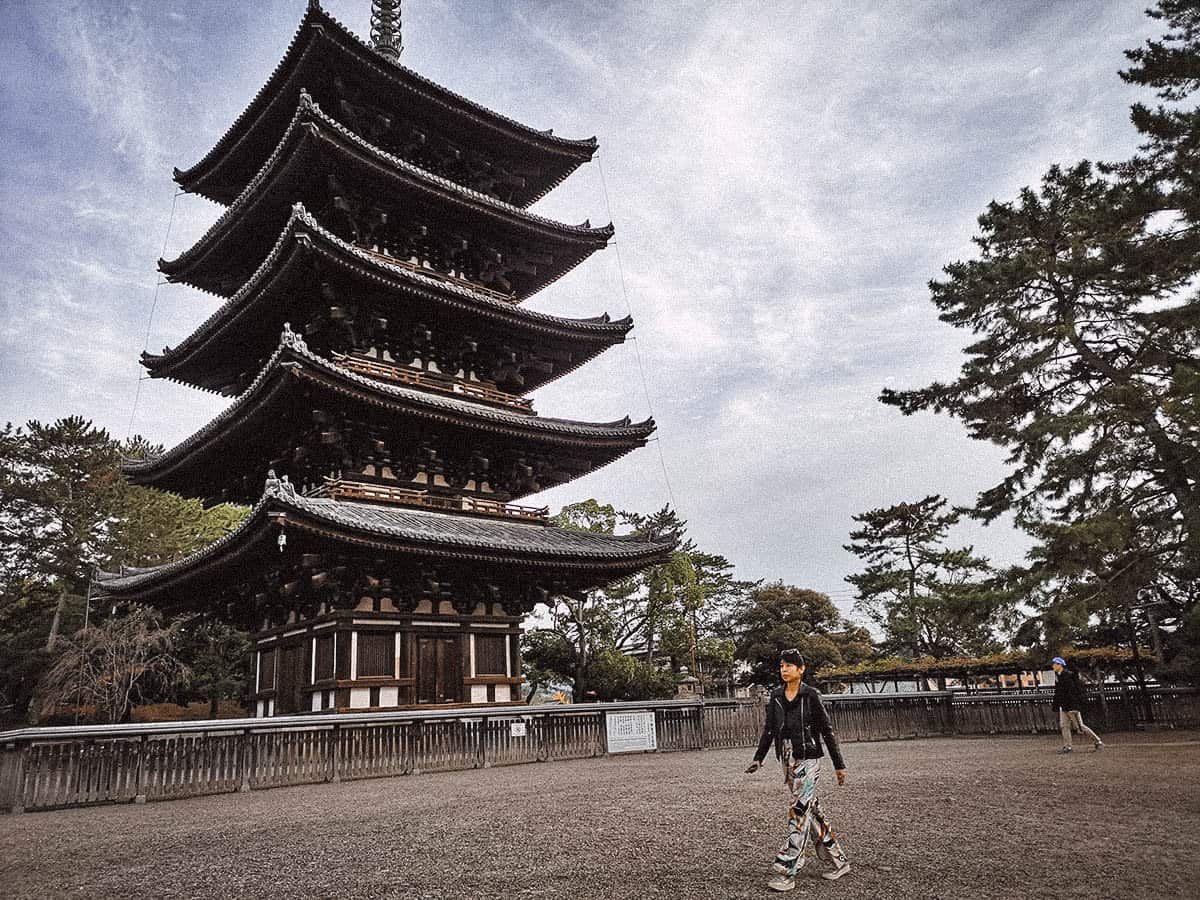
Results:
1068 700
796 722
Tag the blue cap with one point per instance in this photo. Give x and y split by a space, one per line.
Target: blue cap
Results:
1059 660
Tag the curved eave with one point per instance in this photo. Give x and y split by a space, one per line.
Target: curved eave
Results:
292 363
318 31
303 234
418 533
310 124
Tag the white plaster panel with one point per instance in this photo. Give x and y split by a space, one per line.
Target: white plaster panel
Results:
316 701
389 696
479 693
360 698
503 693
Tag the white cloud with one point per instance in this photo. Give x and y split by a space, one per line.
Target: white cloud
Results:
784 179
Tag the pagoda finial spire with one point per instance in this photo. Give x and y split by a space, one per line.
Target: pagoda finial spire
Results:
385 28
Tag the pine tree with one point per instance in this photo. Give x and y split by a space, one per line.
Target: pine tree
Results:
928 599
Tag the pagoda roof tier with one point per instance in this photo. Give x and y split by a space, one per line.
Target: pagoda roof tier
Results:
232 450
583 559
326 166
244 331
325 58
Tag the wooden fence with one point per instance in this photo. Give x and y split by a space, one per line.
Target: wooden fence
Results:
46 768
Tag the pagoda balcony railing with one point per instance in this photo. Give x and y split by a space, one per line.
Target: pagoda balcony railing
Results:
375 369
437 275
346 489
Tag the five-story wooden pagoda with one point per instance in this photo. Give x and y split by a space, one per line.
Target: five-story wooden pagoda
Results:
373 256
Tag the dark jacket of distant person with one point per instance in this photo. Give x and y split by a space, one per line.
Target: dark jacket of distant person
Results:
1068 691
805 723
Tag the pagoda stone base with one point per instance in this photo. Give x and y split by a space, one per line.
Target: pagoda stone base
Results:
353 660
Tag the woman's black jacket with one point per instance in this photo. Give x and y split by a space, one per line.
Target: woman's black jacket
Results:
805 723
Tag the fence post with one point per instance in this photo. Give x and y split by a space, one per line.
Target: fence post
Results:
139 779
543 738
244 757
336 762
950 720
701 743
12 776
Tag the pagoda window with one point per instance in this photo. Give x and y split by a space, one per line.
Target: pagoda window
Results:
323 658
490 654
403 654
514 655
343 645
266 670
376 654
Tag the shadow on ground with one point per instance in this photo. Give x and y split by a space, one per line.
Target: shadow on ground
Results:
942 818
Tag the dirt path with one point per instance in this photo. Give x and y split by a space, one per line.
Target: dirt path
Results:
945 818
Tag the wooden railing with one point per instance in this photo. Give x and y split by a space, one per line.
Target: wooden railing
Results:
44 768
369 492
438 276
387 372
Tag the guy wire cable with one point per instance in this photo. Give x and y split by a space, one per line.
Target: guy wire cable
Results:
159 282
616 245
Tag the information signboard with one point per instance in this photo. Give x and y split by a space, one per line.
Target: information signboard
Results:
631 731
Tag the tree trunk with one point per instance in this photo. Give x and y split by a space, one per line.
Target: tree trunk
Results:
56 622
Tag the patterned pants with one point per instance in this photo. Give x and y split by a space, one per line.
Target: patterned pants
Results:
805 822
1073 717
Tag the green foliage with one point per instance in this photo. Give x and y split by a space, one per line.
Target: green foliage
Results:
1096 659
65 511
615 676
218 656
776 617
58 487
928 599
1085 365
25 614
668 614
587 515
154 527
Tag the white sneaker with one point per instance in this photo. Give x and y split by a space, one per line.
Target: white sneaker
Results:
782 883
1099 746
843 869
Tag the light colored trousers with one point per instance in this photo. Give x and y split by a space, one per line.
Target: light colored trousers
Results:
806 826
1067 718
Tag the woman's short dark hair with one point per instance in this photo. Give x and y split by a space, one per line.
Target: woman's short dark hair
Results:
791 656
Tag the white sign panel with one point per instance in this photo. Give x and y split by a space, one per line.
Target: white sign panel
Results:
516 729
630 731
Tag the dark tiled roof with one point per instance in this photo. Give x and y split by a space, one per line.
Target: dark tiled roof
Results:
599 330
317 23
294 355
417 531
309 118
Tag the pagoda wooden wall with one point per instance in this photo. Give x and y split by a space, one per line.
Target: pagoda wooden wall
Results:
364 661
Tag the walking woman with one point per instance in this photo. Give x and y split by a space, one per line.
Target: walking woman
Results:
796 723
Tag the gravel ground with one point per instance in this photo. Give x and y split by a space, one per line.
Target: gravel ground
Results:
943 818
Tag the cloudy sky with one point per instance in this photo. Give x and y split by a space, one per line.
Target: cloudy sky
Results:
785 177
